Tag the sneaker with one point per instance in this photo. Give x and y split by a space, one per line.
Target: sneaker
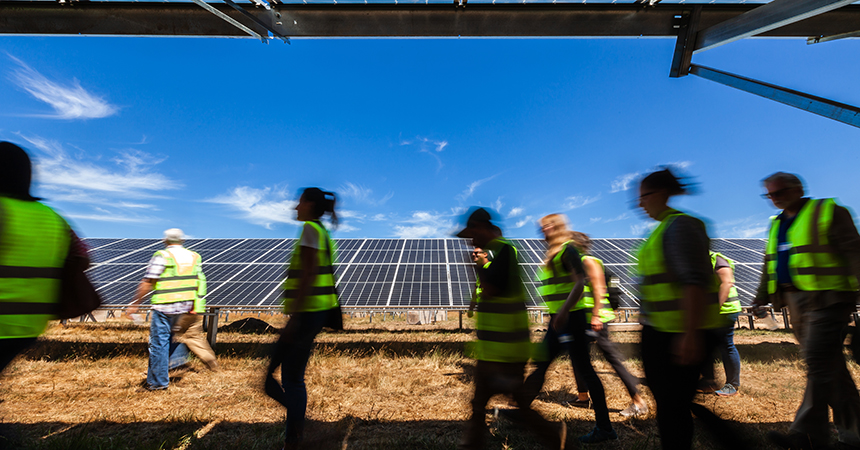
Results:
634 410
597 435
150 387
727 391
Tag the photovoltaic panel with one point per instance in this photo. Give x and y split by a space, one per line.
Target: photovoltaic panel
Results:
93 243
248 271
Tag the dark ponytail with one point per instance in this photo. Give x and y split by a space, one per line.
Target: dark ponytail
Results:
323 203
665 179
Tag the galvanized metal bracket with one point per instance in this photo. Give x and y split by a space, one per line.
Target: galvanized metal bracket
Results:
259 22
840 112
687 28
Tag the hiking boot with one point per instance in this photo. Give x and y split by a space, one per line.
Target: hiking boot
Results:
634 410
727 391
597 435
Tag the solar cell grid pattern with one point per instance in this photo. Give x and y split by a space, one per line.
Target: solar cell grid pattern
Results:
375 273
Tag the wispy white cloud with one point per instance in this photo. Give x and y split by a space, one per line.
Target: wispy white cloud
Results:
137 206
514 212
595 219
470 189
110 217
424 224
350 214
69 101
131 173
266 207
640 229
497 205
623 182
427 145
362 194
578 201
379 217
521 223
346 228
748 227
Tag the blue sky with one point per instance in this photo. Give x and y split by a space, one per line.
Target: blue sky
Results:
135 135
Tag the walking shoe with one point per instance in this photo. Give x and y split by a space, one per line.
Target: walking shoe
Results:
727 391
150 387
707 388
597 435
634 410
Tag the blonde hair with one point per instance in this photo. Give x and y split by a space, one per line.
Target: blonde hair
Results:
561 236
581 241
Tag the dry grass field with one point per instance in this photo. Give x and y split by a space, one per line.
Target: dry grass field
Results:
80 388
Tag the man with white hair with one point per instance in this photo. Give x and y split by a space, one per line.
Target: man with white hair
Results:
175 278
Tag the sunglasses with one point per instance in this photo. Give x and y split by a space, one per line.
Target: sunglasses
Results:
778 193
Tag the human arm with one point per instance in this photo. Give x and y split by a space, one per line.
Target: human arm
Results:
685 247
727 278
145 287
598 289
200 303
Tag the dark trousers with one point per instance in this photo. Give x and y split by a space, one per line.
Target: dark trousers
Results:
615 359
580 357
493 378
674 387
292 352
10 348
828 382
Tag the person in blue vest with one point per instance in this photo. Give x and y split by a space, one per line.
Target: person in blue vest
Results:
310 299
35 243
503 346
812 266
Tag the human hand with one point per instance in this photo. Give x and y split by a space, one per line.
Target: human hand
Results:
596 323
688 348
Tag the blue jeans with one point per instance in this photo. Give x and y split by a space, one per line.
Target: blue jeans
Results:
292 353
164 354
725 339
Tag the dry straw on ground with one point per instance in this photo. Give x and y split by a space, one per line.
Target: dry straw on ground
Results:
80 387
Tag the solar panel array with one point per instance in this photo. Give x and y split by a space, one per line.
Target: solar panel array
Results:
373 273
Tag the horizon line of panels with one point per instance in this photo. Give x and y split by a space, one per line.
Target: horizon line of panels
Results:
371 272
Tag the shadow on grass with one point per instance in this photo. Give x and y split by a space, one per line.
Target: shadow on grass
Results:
55 350
347 433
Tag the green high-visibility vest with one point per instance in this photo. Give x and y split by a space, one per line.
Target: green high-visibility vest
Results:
34 243
180 283
732 304
662 293
556 285
478 281
606 313
501 321
813 262
322 295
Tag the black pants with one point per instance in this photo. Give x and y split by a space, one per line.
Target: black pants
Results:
580 357
674 387
493 378
10 348
615 359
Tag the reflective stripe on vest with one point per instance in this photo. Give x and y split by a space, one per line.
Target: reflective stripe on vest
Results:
662 294
813 262
34 242
732 304
555 283
502 321
180 283
322 295
606 313
478 281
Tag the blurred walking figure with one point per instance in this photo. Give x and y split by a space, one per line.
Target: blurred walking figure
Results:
35 243
597 316
730 308
175 278
503 347
482 261
570 305
812 266
310 298
678 288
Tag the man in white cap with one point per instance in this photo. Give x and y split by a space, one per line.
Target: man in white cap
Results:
175 277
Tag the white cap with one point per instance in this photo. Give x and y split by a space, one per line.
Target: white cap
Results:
174 235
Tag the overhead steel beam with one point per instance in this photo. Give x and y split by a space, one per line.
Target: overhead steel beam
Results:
254 19
230 20
817 105
684 44
389 20
836 37
762 19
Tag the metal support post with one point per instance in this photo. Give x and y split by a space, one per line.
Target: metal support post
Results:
785 318
461 319
684 44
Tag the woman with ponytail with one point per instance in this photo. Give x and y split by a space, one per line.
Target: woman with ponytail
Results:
310 298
